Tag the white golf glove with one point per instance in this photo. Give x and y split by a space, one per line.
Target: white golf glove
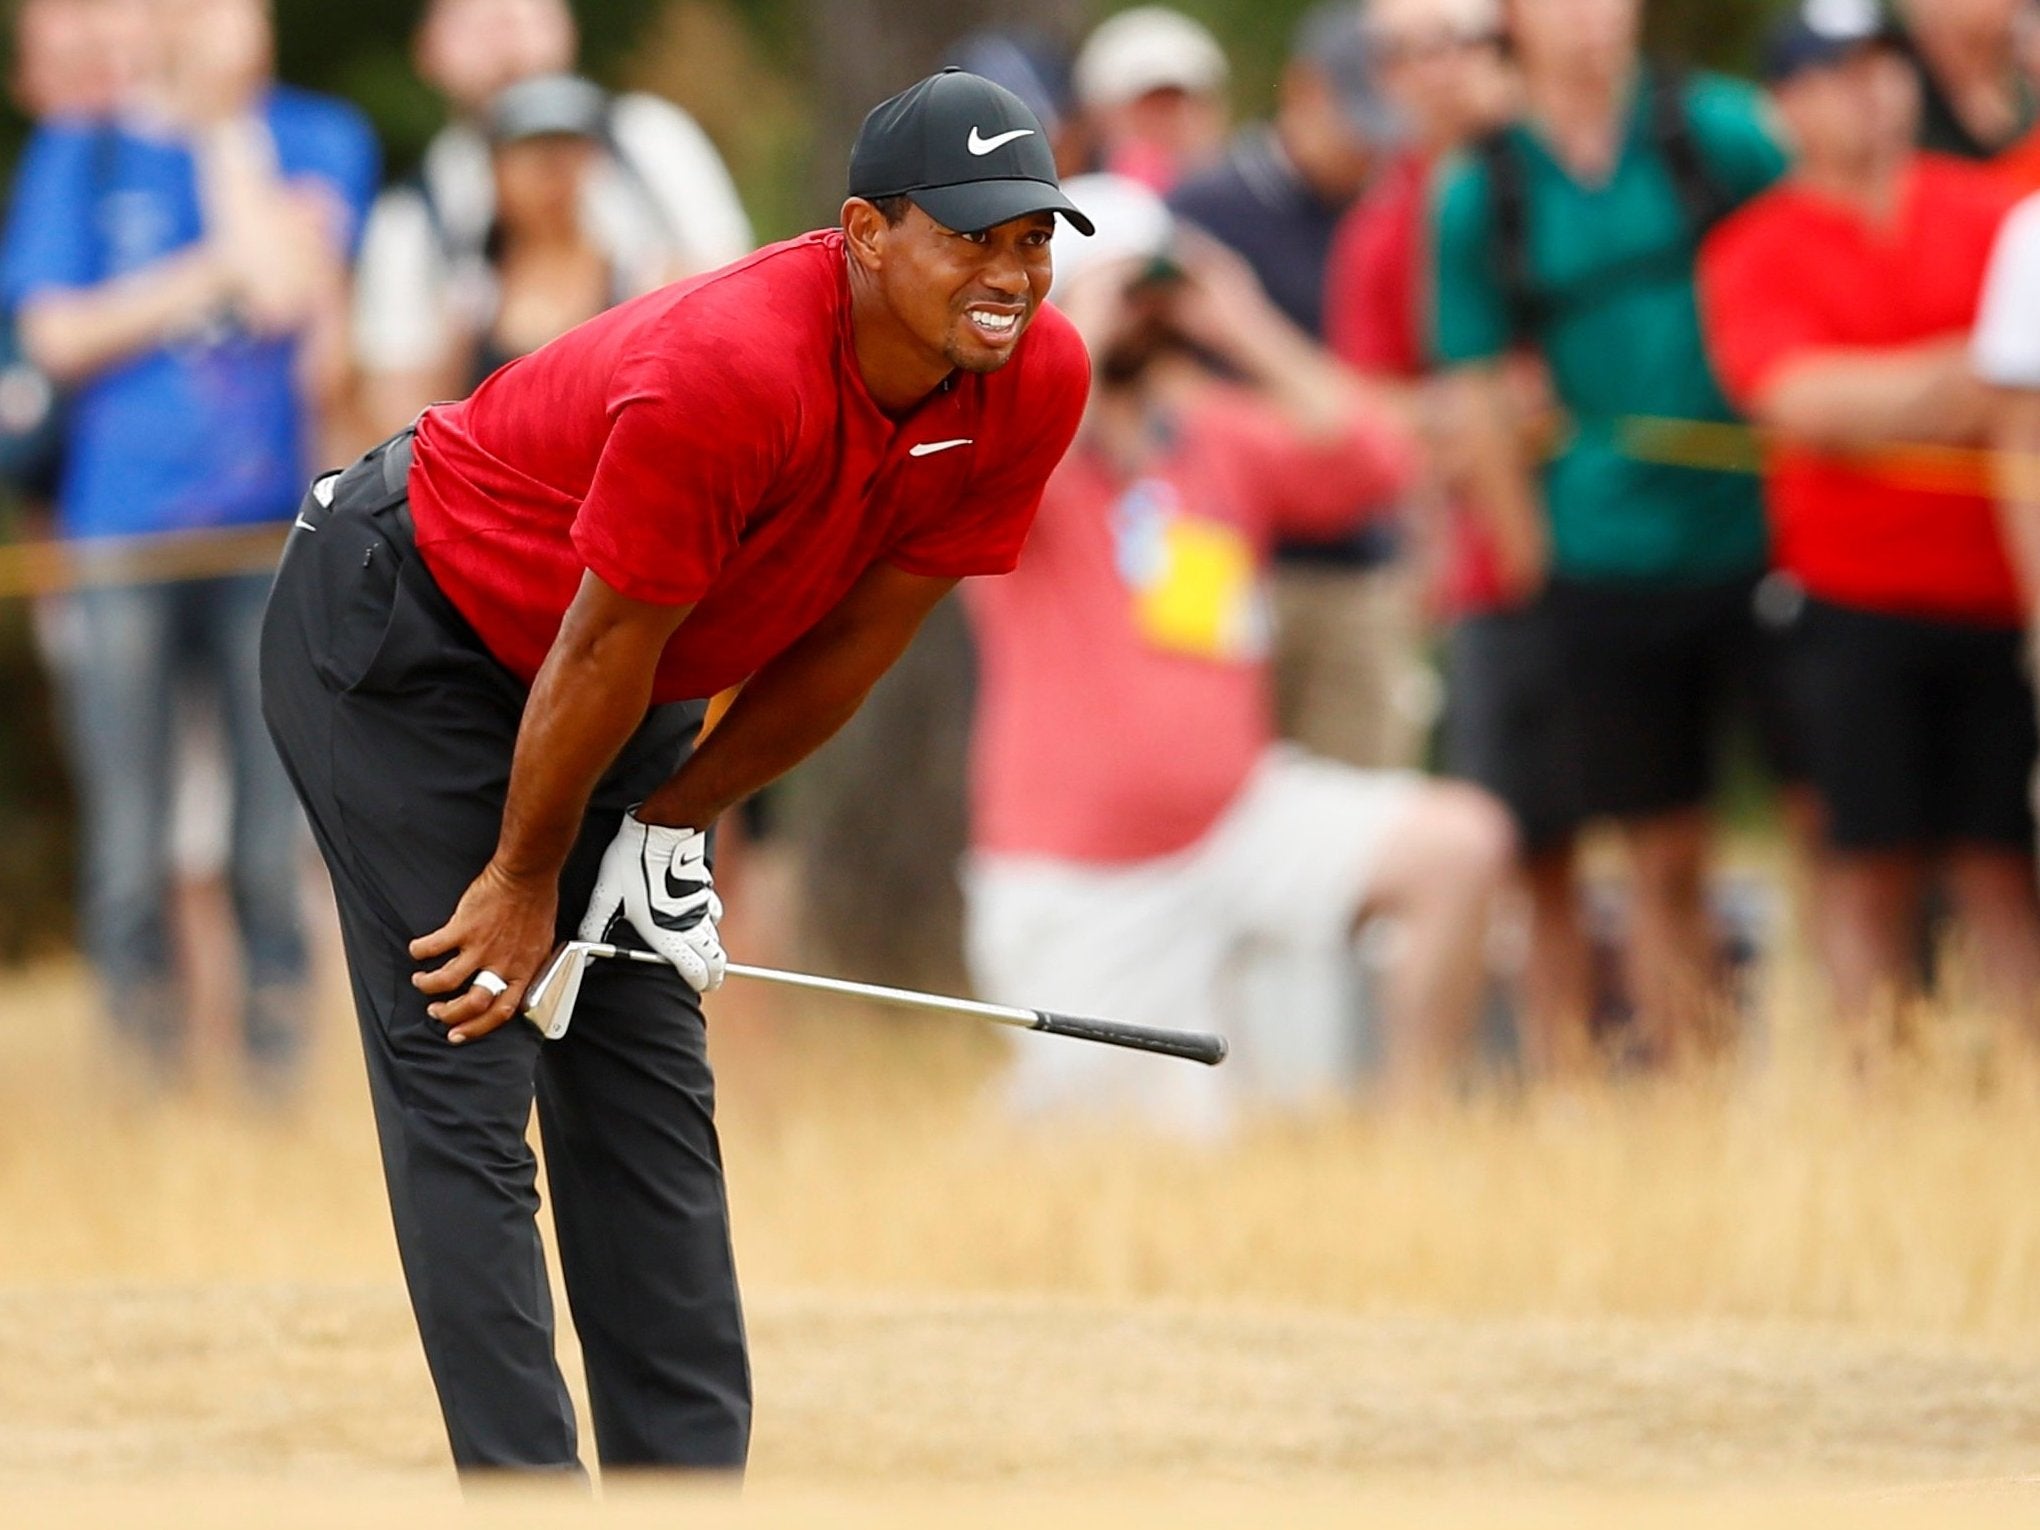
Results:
658 881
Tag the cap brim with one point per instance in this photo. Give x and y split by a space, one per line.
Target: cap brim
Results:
975 206
1814 52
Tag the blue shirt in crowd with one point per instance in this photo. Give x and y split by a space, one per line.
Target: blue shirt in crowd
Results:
211 430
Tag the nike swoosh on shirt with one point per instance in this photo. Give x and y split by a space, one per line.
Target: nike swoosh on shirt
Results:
979 145
930 448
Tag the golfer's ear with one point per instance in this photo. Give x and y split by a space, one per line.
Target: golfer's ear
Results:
864 231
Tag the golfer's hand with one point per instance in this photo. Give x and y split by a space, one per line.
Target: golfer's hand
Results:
657 880
502 925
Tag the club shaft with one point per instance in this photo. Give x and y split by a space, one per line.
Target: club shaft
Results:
1192 1046
903 998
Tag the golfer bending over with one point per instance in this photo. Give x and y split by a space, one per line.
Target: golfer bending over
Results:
484 666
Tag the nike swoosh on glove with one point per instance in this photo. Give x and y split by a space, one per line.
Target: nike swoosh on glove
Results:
657 880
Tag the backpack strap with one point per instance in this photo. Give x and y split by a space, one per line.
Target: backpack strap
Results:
1702 197
1509 206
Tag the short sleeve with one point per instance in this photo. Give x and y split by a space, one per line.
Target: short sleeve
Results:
1471 318
49 239
984 535
684 466
1732 127
1755 314
1313 487
2006 348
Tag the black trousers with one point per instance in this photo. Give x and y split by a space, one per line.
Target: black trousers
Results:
397 729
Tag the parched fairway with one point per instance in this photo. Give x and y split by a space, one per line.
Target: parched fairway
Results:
308 1388
1757 1302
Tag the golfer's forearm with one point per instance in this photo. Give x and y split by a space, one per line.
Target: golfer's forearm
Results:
795 704
584 706
784 714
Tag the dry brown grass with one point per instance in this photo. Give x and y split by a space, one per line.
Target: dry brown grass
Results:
863 1158
1767 1281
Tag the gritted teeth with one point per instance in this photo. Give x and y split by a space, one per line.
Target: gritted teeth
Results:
993 320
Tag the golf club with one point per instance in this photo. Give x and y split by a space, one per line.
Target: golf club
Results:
550 1004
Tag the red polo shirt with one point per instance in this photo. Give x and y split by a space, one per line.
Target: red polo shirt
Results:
712 444
1794 274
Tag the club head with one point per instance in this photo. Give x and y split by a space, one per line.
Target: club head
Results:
549 1002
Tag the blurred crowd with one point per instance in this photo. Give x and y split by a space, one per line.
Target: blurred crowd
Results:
1491 451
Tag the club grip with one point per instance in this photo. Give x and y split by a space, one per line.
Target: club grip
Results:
1193 1046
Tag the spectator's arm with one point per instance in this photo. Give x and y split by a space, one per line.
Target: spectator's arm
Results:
1475 399
1224 309
1840 399
1776 350
287 242
75 322
1324 486
74 333
2007 355
1496 472
2015 434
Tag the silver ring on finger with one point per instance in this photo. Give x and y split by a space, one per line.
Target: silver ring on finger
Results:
490 984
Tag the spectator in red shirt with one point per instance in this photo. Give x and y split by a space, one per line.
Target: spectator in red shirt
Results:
1132 811
1838 308
1440 62
488 653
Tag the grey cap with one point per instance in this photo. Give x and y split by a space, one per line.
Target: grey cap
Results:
1334 38
549 106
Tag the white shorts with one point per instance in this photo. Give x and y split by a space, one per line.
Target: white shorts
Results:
1167 942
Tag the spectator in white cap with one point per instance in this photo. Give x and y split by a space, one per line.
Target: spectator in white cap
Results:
1153 83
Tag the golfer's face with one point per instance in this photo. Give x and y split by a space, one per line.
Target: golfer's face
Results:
968 296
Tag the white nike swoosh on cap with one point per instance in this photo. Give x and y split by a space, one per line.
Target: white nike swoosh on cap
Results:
981 145
930 448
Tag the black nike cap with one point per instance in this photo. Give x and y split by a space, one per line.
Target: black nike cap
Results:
969 153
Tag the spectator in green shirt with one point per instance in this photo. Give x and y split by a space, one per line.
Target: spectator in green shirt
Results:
1572 234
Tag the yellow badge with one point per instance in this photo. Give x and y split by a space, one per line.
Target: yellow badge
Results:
1196 583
